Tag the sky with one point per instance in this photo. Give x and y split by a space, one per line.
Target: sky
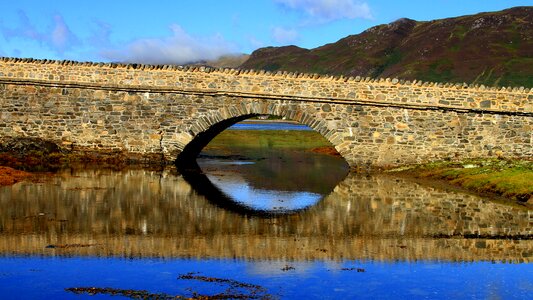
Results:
183 31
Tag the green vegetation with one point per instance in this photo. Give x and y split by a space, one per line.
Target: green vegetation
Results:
267 139
272 67
512 179
516 72
459 32
439 71
484 77
455 47
392 57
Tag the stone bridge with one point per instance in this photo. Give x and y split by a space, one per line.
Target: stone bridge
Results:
171 112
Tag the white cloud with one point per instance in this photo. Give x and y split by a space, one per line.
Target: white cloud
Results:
59 38
329 10
24 30
284 36
101 35
179 48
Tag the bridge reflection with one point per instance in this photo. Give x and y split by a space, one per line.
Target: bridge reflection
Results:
141 213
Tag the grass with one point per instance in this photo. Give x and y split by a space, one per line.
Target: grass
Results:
271 67
392 57
512 179
439 71
459 32
270 139
516 72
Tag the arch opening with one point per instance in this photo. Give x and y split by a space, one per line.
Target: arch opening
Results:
191 151
265 166
200 140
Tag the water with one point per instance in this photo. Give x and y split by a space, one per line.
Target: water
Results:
269 126
309 279
250 227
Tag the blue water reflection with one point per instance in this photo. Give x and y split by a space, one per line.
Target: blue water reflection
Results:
262 199
40 278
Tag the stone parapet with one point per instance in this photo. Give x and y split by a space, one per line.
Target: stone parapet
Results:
172 112
198 79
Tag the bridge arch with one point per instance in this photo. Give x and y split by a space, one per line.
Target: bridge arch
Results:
207 127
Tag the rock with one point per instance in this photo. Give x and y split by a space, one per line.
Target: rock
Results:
25 145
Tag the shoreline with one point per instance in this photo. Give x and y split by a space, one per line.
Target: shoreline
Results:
10 176
506 180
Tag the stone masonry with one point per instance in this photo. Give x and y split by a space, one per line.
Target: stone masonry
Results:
174 111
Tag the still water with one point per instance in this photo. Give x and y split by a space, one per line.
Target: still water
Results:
287 226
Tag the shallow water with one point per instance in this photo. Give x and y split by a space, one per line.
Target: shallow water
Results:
46 278
279 125
242 227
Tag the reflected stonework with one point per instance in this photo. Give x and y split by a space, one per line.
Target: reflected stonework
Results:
143 213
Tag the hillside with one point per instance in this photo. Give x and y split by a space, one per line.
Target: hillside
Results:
493 48
226 61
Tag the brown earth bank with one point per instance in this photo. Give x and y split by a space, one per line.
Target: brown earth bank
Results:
328 150
9 176
36 159
37 155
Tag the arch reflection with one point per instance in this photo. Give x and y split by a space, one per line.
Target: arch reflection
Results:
144 213
236 194
265 168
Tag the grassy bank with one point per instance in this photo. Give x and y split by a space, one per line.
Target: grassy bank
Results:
511 179
294 139
249 141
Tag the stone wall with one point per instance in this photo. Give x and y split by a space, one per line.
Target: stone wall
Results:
140 109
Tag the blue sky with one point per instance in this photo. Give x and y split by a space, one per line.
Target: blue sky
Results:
174 31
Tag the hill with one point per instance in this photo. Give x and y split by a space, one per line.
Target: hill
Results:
493 48
226 61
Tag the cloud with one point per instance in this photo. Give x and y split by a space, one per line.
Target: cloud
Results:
179 48
284 36
58 38
61 37
328 10
101 35
25 29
